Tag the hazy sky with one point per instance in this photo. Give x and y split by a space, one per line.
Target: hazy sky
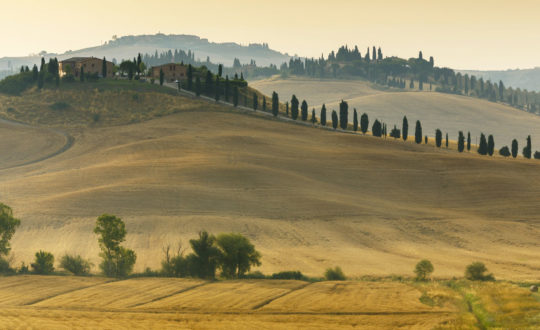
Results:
471 34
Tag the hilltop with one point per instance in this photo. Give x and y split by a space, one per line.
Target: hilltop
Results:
518 78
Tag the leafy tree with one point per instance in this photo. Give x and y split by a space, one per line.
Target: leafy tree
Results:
528 149
206 256
376 129
117 260
275 104
514 148
161 77
438 138
364 123
334 119
255 101
198 86
313 118
75 264
294 107
323 115
304 108
418 132
504 151
8 225
469 141
491 145
343 114
405 128
104 68
423 270
334 274
483 147
43 263
477 272
190 77
235 96
176 265
461 142
355 121
238 254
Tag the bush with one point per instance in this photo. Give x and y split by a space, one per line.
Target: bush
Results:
504 151
176 265
69 78
16 84
536 155
423 269
476 272
5 267
334 274
44 263
256 275
23 269
288 275
75 264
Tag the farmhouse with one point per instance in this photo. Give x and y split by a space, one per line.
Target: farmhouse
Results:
90 65
171 71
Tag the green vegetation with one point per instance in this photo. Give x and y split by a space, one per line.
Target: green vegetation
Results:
75 264
477 272
423 270
43 263
334 274
418 132
237 255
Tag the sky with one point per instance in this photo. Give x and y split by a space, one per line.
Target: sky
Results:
472 34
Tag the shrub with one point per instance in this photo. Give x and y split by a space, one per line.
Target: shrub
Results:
43 263
423 269
334 274
16 84
476 272
504 151
175 265
75 264
5 267
256 275
288 275
537 155
23 269
69 78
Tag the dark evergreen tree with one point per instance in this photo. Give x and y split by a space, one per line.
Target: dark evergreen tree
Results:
35 73
461 142
483 146
161 77
275 104
228 89
527 151
217 91
190 78
235 96
411 84
343 114
334 119
209 83
198 86
323 115
438 138
469 141
304 108
504 151
41 79
514 148
264 103
313 118
287 108
418 132
104 68
355 121
395 133
42 67
294 107
446 140
220 70
491 145
364 123
255 101
425 139
376 129
405 128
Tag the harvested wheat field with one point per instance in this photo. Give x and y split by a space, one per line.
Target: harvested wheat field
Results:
307 198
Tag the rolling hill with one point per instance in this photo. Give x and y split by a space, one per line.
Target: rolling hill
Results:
519 78
308 198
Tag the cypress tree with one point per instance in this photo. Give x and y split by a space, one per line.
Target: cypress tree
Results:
275 104
438 138
405 128
334 119
461 141
198 86
208 83
190 79
255 101
411 84
220 70
469 141
130 73
264 103
35 73
425 139
514 148
287 108
227 88
491 145
313 118
418 132
42 67
104 68
161 77
294 107
235 96
483 147
376 129
82 74
446 140
343 114
217 91
41 79
527 151
323 115
355 121
364 123
304 108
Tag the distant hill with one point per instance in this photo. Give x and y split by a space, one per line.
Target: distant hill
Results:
128 46
528 79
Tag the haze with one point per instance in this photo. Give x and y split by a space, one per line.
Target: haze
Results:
460 34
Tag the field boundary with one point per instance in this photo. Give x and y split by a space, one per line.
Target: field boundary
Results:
269 300
63 292
170 295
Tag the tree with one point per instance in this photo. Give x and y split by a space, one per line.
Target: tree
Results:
469 141
217 90
334 119
483 147
8 225
104 68
446 140
198 86
238 254
355 121
323 115
117 260
220 70
294 107
395 133
161 77
313 118
504 151
334 274
418 132
491 145
275 104
208 83
364 123
264 103
528 148
304 108
43 263
255 101
35 73
82 74
205 257
477 272
376 129
405 128
514 148
343 114
227 88
41 79
426 139
75 264
423 270
461 142
235 96
438 138
287 108
190 77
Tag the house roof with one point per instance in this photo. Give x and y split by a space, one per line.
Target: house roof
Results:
80 59
159 66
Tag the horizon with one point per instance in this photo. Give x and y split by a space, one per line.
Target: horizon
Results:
457 40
